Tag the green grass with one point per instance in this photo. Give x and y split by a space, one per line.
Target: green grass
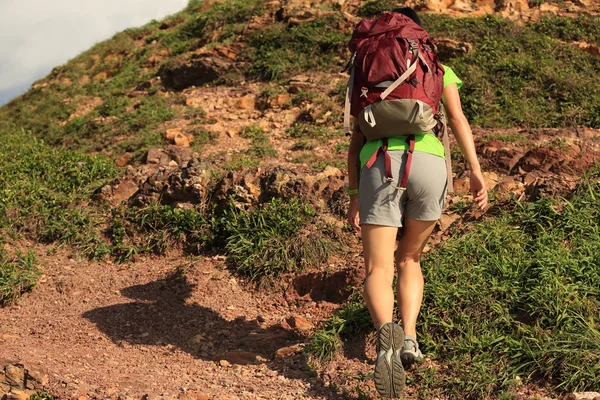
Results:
512 76
43 186
281 50
306 130
583 28
515 296
260 146
17 275
227 19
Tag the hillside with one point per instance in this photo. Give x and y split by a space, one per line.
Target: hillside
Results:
173 211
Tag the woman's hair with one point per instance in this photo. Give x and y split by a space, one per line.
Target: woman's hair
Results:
410 13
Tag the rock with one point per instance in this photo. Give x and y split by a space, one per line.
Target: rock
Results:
182 140
227 397
198 70
240 357
589 48
15 375
36 378
281 99
446 220
171 134
100 76
84 80
17 394
449 48
181 155
224 363
462 185
157 157
582 396
123 191
245 103
300 323
194 102
123 160
289 351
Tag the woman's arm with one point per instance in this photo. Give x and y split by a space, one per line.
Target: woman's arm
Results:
462 131
356 143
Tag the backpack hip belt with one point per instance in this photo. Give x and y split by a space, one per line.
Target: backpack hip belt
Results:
389 177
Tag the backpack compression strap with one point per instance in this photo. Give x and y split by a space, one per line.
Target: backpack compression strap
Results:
349 89
388 161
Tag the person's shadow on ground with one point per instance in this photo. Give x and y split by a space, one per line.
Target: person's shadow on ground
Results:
161 316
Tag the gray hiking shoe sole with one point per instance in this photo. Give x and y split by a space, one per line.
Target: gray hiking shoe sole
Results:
389 373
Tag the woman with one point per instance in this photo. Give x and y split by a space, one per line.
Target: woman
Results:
377 213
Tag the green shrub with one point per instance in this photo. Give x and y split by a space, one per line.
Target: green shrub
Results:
155 228
272 239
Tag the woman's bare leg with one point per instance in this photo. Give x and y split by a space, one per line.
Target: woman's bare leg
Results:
415 235
378 244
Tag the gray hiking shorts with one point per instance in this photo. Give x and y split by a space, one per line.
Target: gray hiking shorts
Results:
380 203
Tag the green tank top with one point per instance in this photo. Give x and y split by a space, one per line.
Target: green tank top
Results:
425 143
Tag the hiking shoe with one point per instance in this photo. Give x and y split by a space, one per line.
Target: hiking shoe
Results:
411 353
389 373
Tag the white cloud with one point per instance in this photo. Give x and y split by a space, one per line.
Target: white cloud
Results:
37 35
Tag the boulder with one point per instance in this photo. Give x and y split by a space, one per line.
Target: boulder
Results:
198 70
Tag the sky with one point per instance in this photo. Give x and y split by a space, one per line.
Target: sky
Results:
38 35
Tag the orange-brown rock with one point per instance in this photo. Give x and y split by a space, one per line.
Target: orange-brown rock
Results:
100 76
171 134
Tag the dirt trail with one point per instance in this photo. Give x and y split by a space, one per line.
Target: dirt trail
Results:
106 330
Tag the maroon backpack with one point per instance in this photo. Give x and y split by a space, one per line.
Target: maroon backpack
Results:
396 82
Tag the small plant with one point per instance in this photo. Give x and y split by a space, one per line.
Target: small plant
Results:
42 396
303 145
154 228
375 8
272 239
303 130
342 147
17 275
260 146
304 96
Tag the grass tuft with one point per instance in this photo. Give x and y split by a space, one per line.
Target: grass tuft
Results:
17 275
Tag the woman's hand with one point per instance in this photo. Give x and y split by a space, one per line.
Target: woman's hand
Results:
479 190
353 217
